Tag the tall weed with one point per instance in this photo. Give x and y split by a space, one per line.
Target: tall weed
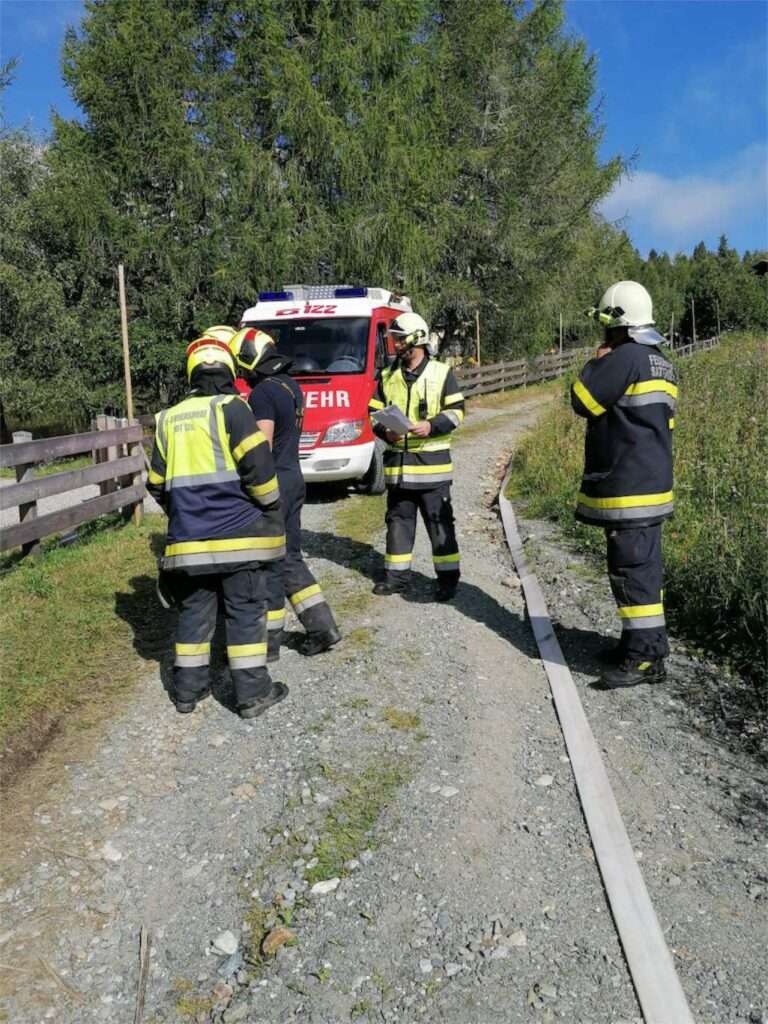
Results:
716 547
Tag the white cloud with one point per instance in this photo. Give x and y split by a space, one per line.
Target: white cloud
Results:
678 209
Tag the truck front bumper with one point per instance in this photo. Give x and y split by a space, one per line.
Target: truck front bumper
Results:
336 462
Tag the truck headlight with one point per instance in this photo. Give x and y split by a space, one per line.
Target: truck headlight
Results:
342 433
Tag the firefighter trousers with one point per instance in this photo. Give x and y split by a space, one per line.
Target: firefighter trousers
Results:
291 576
242 596
635 571
403 505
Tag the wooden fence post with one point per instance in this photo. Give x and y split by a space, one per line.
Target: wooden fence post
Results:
136 509
24 473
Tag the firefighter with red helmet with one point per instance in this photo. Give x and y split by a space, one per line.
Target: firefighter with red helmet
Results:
277 403
212 472
627 395
417 464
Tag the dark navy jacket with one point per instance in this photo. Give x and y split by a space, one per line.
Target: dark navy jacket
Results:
628 399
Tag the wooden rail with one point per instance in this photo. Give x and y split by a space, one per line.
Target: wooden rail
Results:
482 380
117 469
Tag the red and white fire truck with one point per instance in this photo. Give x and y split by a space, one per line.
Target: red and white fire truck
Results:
336 336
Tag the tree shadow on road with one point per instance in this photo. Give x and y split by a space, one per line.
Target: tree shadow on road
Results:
153 627
579 645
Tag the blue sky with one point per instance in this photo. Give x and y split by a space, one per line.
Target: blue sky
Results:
682 87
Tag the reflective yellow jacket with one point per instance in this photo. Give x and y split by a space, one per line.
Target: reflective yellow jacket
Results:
212 471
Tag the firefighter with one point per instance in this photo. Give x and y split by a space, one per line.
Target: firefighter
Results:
417 465
278 405
213 473
627 394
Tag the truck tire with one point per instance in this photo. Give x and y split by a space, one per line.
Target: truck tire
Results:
373 481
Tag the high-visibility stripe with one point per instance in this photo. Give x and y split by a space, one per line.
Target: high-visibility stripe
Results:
193 648
193 547
275 615
219 476
587 400
375 404
417 470
454 398
259 490
438 559
252 441
646 622
155 478
191 660
160 438
628 501
302 595
637 610
244 650
651 398
644 387
671 422
390 559
455 415
223 557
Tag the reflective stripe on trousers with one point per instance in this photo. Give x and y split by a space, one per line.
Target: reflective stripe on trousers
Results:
436 510
242 595
635 571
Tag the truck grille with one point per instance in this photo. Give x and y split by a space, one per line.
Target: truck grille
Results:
309 440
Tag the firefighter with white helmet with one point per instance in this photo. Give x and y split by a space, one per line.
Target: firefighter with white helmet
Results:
627 394
417 464
277 403
213 473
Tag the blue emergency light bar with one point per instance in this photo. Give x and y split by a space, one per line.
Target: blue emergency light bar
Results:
275 296
350 293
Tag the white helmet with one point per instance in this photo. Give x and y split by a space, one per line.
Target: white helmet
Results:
628 304
412 329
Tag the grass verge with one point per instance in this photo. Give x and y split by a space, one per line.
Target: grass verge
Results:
49 468
716 555
76 624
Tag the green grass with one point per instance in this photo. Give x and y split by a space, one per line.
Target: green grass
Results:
716 547
361 517
401 720
343 833
77 624
49 468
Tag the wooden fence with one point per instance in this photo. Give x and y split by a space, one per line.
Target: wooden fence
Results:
118 463
481 380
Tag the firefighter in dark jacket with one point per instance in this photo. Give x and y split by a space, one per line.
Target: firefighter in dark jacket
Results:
213 473
278 405
627 394
417 465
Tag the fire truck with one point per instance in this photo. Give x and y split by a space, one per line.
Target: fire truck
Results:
336 337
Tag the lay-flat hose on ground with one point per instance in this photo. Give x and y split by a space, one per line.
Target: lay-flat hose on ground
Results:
658 987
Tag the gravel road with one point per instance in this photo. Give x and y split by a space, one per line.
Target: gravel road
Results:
401 840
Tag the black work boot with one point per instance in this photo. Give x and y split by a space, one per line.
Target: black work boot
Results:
446 590
255 708
384 588
633 672
611 656
186 707
317 642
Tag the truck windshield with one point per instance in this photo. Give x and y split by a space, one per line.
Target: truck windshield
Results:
322 345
